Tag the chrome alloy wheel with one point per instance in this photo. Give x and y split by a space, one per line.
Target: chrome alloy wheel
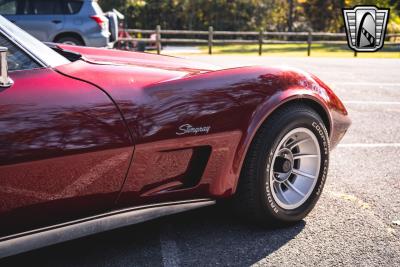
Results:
295 168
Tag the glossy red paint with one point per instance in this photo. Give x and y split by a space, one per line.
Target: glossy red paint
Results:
172 158
64 151
156 100
70 133
107 56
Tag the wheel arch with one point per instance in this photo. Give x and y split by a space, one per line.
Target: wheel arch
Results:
317 107
248 138
69 34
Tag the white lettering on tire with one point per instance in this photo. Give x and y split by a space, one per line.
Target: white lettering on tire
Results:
268 189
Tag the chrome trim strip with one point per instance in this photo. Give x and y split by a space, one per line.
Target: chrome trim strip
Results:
25 49
23 242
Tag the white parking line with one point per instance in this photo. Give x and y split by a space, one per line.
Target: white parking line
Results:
372 102
376 145
169 249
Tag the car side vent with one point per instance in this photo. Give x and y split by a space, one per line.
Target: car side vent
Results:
197 165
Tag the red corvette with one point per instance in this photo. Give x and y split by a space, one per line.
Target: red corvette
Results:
94 139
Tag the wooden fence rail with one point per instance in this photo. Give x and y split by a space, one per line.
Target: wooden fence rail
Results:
263 37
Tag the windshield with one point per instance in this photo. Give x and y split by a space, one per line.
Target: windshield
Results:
36 48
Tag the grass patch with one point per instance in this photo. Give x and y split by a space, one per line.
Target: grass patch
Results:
300 50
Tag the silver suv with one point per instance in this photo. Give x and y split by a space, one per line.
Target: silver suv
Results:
76 22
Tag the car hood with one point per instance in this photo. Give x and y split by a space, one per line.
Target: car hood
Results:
135 59
123 74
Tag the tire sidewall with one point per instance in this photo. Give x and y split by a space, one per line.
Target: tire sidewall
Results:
289 123
71 40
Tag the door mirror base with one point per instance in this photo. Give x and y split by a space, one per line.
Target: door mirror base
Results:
5 80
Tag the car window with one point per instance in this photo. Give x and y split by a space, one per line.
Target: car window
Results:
73 7
8 7
17 59
44 7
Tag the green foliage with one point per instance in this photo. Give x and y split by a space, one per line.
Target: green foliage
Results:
274 15
394 5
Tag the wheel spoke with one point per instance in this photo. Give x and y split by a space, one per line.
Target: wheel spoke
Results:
301 156
296 166
291 186
280 191
300 173
297 143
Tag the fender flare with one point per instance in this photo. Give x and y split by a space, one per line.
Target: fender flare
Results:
262 114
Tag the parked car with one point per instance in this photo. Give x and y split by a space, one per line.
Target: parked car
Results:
95 139
75 22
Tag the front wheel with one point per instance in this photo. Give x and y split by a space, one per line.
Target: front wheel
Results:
286 166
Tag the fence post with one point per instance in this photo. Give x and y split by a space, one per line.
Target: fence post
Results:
260 42
309 43
158 39
210 39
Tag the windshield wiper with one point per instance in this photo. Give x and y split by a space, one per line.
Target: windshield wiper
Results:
70 55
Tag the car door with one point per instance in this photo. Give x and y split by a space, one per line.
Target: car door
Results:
64 147
41 18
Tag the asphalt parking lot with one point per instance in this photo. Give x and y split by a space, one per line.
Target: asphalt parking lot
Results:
356 222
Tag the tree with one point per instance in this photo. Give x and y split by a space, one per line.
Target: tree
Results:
242 15
290 15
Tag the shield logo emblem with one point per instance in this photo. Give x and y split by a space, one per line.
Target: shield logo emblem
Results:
365 27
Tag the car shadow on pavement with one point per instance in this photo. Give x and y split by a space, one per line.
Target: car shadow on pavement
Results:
205 237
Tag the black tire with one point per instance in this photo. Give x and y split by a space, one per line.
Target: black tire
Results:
253 199
70 40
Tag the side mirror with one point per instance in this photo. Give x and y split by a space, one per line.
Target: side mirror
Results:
5 81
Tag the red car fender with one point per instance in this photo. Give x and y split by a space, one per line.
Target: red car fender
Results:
247 95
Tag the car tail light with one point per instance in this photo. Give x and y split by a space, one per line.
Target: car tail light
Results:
101 21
